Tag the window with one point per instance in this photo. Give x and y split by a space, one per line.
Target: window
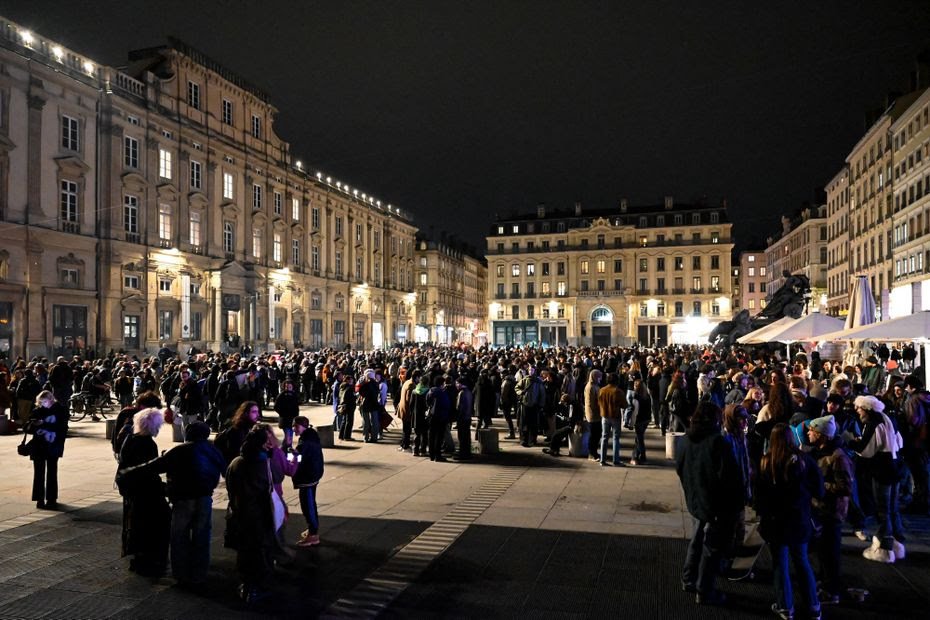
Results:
752 287
276 247
196 321
762 287
679 263
164 222
660 263
166 133
643 310
70 133
751 259
257 243
715 308
277 202
69 276
531 269
545 289
256 126
715 261
133 120
195 174
358 267
530 312
195 289
696 283
660 285
695 218
228 185
679 309
560 268
315 258
315 218
164 163
164 285
195 228
130 152
256 197
660 309
618 285
695 262
337 263
131 214
228 238
761 271
422 279
545 269
516 229
560 289
316 301
338 225
358 233
295 209
679 220
515 312
69 205
751 271
165 320
715 283
131 282
277 297
752 304
601 266
642 284
696 308
227 112
515 270
584 266
193 95
643 265
715 237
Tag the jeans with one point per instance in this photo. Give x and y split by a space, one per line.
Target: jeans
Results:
889 520
702 562
369 425
45 479
639 446
613 425
807 585
191 529
307 496
829 551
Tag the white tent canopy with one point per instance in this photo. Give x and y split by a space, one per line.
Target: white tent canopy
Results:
760 336
808 328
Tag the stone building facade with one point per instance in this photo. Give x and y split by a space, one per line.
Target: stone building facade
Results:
160 207
801 249
652 274
753 281
838 275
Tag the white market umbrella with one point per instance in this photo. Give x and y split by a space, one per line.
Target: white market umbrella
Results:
912 327
861 312
808 328
760 336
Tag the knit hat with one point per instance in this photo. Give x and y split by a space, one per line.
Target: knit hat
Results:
869 403
826 426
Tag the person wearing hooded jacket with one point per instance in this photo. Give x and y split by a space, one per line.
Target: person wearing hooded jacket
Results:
711 480
592 413
878 449
830 511
419 409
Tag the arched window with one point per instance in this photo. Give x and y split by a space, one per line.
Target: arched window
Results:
602 315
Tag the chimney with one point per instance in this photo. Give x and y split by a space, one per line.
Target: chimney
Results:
669 202
577 208
541 210
624 205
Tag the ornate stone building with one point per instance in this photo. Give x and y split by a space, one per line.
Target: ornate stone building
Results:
800 249
157 205
652 274
451 288
838 278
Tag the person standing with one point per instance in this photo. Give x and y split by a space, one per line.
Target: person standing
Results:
49 425
787 482
508 400
612 405
710 479
532 397
440 410
419 413
404 409
347 404
307 478
642 414
464 403
592 413
287 407
838 475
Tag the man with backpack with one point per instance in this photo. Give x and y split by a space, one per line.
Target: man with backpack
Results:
531 395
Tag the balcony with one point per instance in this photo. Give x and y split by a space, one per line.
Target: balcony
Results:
69 226
500 296
164 243
529 295
715 289
643 291
662 291
696 291
604 293
678 291
133 237
515 296
197 249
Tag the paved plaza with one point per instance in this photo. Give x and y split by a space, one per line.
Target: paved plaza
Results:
514 533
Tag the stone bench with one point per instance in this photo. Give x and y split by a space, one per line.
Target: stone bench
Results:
327 439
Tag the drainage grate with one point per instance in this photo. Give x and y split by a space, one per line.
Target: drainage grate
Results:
380 588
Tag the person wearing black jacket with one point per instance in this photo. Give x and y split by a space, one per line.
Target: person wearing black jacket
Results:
49 426
194 470
307 478
287 407
712 483
61 377
190 398
145 400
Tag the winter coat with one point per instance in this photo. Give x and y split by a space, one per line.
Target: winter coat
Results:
838 475
194 469
741 453
439 404
485 397
592 412
464 404
709 475
878 448
286 406
508 392
404 409
310 469
611 402
49 427
249 516
784 505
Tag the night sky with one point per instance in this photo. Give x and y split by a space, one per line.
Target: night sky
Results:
458 111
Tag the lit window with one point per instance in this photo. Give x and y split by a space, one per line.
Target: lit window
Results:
761 271
256 197
69 277
164 222
531 269
195 228
560 289
515 270
516 228
228 238
295 209
601 266
257 243
195 174
276 247
584 266
500 230
131 214
228 185
422 279
277 202
164 164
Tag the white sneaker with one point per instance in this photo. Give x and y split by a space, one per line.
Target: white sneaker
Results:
898 550
862 535
879 555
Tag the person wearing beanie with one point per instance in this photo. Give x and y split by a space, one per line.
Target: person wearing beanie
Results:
878 448
838 478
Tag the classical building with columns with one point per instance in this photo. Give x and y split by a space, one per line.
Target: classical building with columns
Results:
653 274
155 204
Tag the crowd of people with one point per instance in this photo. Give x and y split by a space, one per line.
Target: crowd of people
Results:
807 445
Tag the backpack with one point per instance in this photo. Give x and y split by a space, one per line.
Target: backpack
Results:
535 395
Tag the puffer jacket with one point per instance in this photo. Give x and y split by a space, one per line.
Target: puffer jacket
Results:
592 412
838 476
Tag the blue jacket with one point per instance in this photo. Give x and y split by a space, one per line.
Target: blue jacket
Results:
438 404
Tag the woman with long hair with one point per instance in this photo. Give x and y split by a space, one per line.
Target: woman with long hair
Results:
676 401
230 440
787 481
642 412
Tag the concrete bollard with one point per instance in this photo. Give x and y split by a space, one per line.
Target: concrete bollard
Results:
673 444
578 444
111 428
488 441
327 440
